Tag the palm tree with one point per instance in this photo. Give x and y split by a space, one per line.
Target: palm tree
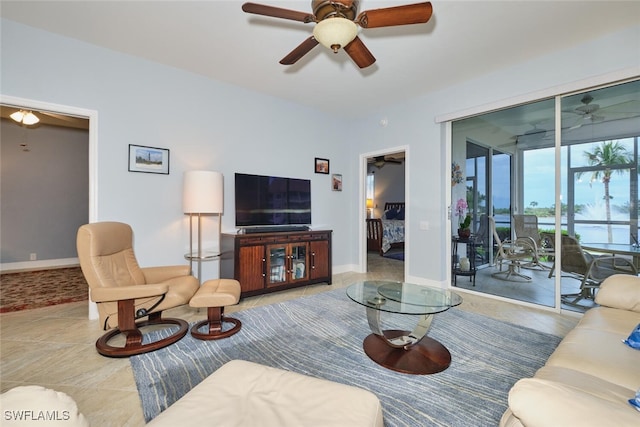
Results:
606 155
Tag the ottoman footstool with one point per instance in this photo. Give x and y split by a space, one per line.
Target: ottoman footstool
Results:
215 295
247 394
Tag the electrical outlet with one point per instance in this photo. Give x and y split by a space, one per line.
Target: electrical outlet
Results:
424 225
33 256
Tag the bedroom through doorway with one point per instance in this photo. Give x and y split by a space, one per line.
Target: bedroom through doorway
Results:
385 183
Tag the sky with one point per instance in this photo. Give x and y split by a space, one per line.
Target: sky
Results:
539 175
539 186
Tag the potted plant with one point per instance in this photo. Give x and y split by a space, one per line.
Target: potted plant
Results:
465 231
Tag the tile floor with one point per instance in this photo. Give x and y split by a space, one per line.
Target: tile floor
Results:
539 290
54 346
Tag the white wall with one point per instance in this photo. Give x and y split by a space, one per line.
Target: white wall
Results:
216 126
44 191
389 186
205 125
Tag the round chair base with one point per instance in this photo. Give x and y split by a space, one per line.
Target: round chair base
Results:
134 339
215 333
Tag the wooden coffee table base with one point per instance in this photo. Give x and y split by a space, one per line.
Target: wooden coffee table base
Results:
427 356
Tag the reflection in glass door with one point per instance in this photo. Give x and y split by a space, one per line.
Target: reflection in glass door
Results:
287 263
594 181
277 264
600 199
600 218
501 193
298 262
477 181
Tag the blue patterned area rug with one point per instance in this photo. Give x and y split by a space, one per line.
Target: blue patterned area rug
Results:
321 336
395 255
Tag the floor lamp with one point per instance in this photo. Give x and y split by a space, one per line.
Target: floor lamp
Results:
202 195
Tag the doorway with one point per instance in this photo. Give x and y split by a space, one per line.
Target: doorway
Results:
45 181
384 196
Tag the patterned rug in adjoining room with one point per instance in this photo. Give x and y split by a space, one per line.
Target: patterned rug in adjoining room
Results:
395 255
27 290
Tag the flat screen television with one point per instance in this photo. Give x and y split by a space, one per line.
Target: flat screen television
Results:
272 201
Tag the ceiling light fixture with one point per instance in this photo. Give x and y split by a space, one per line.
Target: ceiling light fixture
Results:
335 33
25 117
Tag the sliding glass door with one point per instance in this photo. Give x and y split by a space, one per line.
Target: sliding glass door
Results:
512 161
600 130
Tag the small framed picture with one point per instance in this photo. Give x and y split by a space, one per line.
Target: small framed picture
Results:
336 182
148 159
322 166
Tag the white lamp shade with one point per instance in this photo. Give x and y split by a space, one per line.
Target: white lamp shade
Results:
335 33
202 192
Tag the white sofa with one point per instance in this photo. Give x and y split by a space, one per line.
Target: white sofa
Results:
590 377
246 394
34 405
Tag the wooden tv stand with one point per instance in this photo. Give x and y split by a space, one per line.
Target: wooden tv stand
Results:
269 262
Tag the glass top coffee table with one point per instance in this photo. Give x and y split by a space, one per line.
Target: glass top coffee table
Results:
403 351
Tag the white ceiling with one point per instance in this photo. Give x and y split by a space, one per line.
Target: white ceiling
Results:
216 39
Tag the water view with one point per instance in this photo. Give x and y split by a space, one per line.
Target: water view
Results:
588 233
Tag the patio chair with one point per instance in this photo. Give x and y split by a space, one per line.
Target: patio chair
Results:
527 226
514 252
590 269
482 240
549 241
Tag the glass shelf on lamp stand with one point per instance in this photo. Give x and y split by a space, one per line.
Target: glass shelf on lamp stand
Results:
200 255
206 256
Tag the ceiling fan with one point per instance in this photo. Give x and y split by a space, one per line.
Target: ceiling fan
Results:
586 111
590 113
337 24
537 133
380 161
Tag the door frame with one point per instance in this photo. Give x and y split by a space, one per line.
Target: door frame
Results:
92 116
362 202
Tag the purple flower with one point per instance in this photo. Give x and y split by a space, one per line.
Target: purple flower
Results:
461 207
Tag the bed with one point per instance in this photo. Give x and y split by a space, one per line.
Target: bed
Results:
384 234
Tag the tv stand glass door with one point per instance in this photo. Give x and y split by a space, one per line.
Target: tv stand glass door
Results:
287 263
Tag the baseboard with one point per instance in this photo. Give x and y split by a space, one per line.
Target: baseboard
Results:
344 268
13 267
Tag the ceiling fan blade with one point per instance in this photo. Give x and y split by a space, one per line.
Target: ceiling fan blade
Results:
277 12
299 51
399 15
359 53
625 107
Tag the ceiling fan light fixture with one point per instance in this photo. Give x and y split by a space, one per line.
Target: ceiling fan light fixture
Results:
335 33
25 117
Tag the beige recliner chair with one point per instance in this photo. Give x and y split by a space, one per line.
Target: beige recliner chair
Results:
124 292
